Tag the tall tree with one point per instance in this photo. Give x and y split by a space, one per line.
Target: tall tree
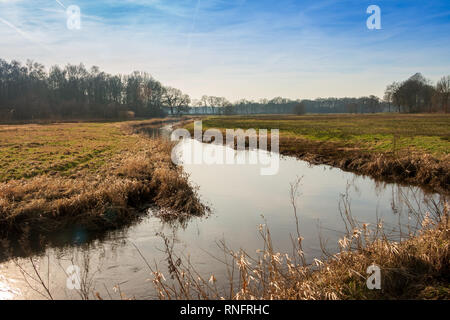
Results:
300 108
175 100
443 91
414 94
389 94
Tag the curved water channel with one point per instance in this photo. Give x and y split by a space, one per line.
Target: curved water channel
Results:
241 199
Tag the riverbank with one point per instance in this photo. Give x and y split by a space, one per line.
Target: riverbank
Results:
416 268
94 175
403 148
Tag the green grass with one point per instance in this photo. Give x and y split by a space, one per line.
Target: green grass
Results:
32 150
371 133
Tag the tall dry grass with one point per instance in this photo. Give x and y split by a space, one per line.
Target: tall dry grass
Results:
109 197
417 268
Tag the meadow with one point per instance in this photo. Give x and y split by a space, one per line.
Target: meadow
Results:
98 175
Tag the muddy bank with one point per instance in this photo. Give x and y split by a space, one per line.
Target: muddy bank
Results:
423 170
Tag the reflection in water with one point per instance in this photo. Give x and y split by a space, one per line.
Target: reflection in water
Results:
156 131
238 196
7 292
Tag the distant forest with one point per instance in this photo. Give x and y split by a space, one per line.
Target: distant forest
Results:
29 92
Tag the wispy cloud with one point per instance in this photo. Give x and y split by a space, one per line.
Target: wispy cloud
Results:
22 33
238 48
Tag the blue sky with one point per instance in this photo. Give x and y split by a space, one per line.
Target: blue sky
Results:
238 48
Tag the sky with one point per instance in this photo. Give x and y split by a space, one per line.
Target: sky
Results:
238 48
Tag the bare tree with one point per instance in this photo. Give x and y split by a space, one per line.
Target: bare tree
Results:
300 108
175 99
414 94
443 90
389 94
352 107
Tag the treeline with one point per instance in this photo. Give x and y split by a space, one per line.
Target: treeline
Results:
418 94
370 104
414 95
220 105
29 92
281 105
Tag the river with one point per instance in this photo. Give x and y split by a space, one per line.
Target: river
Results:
240 200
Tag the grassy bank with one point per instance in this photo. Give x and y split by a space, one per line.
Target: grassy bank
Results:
98 175
405 148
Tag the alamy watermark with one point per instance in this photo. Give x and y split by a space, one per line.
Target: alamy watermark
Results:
73 17
73 280
200 153
374 20
374 279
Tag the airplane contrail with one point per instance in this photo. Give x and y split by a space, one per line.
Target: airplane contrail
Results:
60 3
23 34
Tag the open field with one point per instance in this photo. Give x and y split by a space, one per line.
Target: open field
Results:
409 148
93 174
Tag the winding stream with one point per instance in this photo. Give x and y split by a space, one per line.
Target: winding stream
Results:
241 199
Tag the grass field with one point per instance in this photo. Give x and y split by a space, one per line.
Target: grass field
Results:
31 150
410 148
94 174
379 133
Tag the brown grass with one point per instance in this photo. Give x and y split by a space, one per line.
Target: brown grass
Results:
417 268
138 173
